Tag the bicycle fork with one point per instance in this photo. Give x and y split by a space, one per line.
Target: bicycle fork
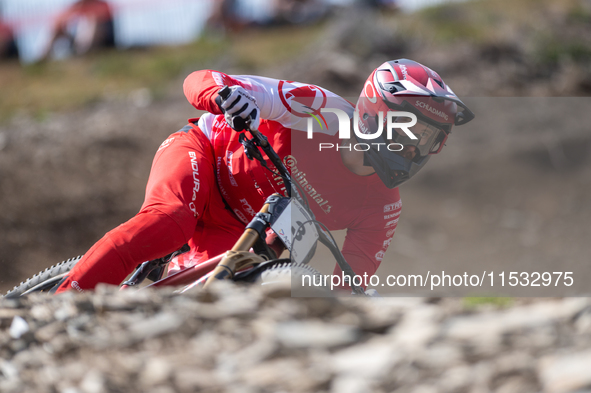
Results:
255 231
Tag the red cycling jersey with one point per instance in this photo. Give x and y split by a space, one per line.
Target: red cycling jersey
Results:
204 190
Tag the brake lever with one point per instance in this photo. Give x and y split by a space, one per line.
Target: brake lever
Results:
251 149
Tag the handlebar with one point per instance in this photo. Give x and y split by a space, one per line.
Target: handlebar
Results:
251 148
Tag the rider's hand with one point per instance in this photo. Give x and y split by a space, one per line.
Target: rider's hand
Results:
239 108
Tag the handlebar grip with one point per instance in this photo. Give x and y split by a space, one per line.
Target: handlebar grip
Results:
240 124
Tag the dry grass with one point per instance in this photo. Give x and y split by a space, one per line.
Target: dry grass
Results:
65 85
489 21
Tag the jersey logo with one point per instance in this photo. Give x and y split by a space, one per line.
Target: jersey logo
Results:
392 206
229 155
196 182
388 216
166 143
221 79
241 216
246 206
303 100
380 255
76 286
391 223
300 177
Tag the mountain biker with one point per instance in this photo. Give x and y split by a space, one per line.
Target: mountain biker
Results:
85 25
8 46
203 190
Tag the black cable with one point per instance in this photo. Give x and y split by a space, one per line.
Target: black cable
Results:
343 264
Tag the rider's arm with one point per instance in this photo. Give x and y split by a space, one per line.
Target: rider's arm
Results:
201 89
274 97
367 242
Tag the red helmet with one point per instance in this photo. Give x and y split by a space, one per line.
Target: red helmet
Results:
407 86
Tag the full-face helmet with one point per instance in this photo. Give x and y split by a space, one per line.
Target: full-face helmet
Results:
406 86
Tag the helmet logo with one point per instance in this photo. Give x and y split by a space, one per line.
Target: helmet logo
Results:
428 107
404 71
370 93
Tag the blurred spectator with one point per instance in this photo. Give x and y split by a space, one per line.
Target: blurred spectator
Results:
230 15
383 5
85 25
225 17
299 11
8 48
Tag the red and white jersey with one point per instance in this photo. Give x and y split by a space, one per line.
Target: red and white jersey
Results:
339 199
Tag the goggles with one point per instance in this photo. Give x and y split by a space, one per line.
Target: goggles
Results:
430 138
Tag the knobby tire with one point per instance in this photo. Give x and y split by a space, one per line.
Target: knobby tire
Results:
286 271
44 281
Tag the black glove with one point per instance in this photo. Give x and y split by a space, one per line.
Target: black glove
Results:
239 108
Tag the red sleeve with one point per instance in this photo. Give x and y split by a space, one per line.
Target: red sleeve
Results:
366 244
201 88
364 249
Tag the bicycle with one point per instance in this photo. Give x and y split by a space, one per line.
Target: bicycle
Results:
251 259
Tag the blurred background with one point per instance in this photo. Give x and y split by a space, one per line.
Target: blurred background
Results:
89 89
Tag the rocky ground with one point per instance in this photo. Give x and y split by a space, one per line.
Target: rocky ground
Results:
260 339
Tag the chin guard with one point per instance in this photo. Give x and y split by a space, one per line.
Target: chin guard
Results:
366 160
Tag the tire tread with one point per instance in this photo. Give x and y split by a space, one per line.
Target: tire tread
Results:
50 272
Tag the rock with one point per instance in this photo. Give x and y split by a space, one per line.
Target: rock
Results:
8 314
517 384
160 324
33 358
93 382
417 328
65 311
565 373
188 379
371 360
256 352
280 375
155 372
492 326
41 312
9 371
439 356
18 327
351 384
583 321
314 334
456 379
